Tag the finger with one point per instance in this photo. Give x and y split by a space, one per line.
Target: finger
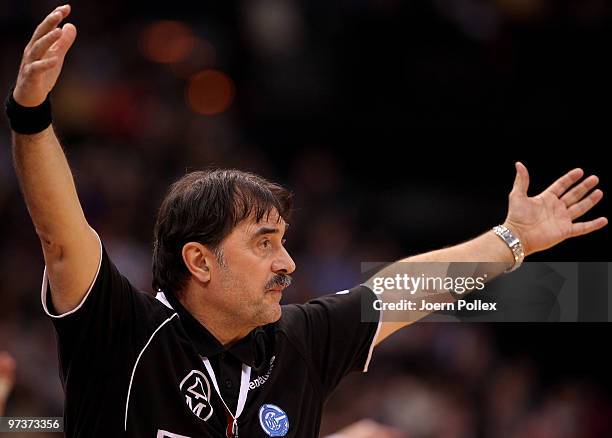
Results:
50 21
582 228
63 44
578 192
521 181
585 205
560 186
44 64
40 47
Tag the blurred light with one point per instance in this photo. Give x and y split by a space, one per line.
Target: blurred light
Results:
275 27
202 56
210 92
167 42
522 10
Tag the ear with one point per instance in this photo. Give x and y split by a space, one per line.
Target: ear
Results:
198 260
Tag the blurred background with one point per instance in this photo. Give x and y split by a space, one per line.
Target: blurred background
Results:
396 124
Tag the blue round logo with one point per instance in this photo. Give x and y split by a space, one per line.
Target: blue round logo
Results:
273 420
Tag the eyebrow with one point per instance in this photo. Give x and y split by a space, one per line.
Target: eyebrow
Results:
267 230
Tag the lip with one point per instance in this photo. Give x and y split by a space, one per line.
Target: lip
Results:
276 289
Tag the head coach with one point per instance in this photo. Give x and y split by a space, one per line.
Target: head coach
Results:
214 353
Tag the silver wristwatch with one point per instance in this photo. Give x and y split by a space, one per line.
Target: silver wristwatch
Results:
513 243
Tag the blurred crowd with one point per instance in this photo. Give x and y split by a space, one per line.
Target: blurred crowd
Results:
451 381
327 99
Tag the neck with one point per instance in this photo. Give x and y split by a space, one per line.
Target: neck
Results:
222 326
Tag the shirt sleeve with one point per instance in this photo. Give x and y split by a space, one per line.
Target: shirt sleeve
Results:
102 322
332 334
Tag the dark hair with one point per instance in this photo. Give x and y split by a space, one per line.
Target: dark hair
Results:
205 206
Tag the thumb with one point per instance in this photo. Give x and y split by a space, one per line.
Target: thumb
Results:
521 182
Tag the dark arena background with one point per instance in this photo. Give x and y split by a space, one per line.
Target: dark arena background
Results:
395 123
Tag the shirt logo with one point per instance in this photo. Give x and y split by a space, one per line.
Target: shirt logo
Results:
262 379
273 420
196 389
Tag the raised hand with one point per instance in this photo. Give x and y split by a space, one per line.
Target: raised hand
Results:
547 219
43 58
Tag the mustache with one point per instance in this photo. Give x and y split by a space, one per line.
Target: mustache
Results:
279 280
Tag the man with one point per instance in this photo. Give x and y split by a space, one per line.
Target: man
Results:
214 354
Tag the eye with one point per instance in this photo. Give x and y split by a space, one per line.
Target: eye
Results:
265 244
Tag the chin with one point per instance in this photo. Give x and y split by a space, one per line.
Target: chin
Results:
275 314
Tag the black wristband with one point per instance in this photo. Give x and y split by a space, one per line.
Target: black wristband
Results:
28 120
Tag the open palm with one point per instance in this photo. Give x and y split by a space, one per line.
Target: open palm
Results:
43 58
547 219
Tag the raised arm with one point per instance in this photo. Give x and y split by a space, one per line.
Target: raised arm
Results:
70 246
539 222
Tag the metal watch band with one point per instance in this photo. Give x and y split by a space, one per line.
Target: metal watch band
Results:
513 243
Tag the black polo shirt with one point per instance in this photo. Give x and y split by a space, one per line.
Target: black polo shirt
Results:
138 366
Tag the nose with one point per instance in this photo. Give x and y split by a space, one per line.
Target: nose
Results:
283 263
